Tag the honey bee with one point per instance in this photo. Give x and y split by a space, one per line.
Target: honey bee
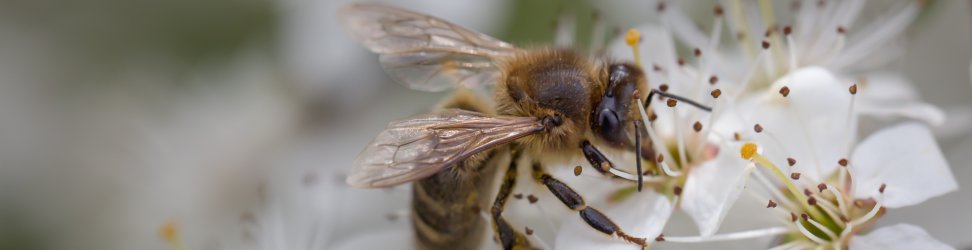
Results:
550 103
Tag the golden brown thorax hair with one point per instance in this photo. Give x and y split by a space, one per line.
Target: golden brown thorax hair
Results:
549 82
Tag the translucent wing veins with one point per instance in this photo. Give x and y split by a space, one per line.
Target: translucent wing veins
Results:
416 148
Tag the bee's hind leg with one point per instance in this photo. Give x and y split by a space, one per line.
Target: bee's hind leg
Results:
574 201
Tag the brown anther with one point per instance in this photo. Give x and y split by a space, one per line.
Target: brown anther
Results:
793 217
758 128
652 117
821 187
766 45
785 91
881 189
787 30
663 87
713 79
737 136
841 30
518 196
843 218
806 191
718 10
769 32
791 161
672 102
681 61
795 176
605 166
656 68
532 199
842 162
660 158
812 201
853 89
578 170
661 237
698 52
677 190
697 126
805 217
771 204
716 93
528 230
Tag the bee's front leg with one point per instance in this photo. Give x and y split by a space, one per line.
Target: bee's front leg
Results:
574 201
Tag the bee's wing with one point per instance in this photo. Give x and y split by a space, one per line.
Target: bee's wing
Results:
418 147
424 52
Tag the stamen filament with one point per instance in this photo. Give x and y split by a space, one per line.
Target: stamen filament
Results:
655 140
809 235
840 199
789 184
730 236
679 138
822 228
829 209
791 47
782 199
870 214
747 80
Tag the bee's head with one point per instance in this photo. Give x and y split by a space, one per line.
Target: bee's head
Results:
615 111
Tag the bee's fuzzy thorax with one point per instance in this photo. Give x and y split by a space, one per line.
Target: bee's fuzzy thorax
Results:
550 82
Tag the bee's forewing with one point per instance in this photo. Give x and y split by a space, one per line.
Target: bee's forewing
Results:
418 147
424 52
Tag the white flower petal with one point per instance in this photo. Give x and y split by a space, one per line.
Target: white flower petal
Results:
642 215
712 188
900 236
891 95
810 124
907 159
909 109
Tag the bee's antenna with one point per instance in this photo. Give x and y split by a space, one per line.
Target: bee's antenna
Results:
638 154
675 97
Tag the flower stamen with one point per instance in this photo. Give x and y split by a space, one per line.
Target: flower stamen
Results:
632 38
170 233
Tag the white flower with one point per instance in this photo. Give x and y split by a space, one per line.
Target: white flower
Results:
806 145
823 45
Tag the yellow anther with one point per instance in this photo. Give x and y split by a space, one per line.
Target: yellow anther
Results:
169 231
748 150
632 37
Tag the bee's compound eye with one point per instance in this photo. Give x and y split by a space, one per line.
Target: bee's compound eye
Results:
608 121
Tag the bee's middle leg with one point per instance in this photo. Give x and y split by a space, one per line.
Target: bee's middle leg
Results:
574 201
507 236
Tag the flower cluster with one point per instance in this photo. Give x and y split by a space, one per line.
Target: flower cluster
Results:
783 130
786 97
